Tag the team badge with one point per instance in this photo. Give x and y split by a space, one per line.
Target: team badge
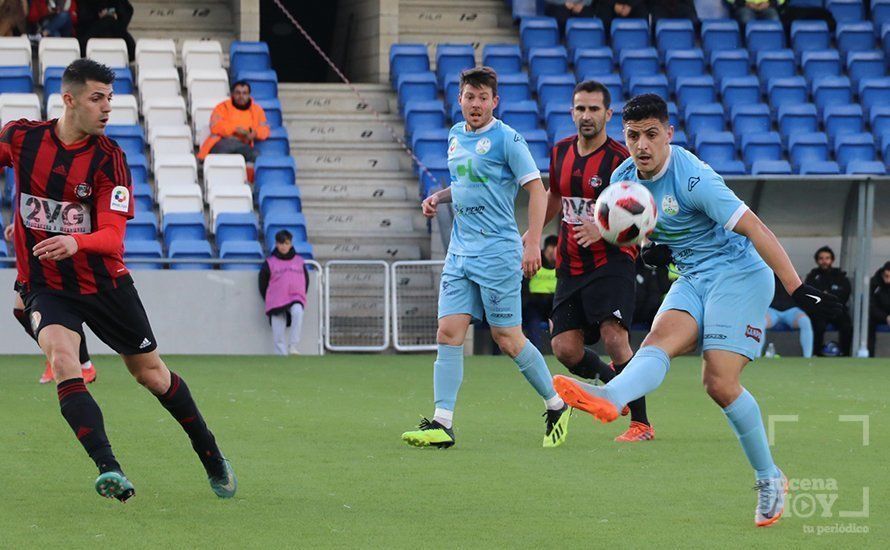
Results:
753 333
83 190
670 206
483 146
452 147
595 181
120 199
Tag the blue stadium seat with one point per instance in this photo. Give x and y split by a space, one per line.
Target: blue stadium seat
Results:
786 90
457 114
537 143
558 132
555 88
128 137
615 128
820 168
547 61
870 167
144 197
764 35
879 119
797 118
123 81
263 84
190 249
880 12
407 58
52 81
585 33
272 109
855 36
183 226
249 55
612 82
520 115
695 90
689 62
885 37
16 80
720 34
831 90
846 10
820 63
729 63
809 35
704 118
715 146
727 167
435 140
295 223
538 32
514 87
557 114
9 189
241 250
235 226
807 147
143 249
870 64
280 198
629 34
452 59
761 146
304 250
451 89
277 170
138 168
673 114
850 147
593 61
276 144
770 167
143 226
743 90
843 119
637 61
503 58
679 140
750 118
416 87
874 91
423 114
775 64
674 34
655 84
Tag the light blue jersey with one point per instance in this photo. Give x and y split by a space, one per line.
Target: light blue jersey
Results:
487 166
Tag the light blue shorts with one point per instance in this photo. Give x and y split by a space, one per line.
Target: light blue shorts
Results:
788 317
729 307
489 285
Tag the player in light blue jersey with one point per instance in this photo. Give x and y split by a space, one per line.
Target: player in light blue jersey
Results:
726 257
488 162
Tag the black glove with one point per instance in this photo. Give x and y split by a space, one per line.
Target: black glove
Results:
813 301
656 255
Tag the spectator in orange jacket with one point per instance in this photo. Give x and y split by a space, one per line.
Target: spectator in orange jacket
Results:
236 125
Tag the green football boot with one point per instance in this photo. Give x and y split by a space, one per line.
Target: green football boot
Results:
557 427
226 485
115 485
430 434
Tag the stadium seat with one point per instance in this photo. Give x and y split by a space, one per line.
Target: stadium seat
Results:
807 147
845 10
761 146
436 175
433 141
629 34
137 249
123 81
138 166
452 59
720 34
416 87
869 64
519 115
209 83
202 109
235 228
764 35
855 36
809 35
52 81
175 169
171 140
241 250
162 111
282 170
743 90
108 51
279 198
850 147
16 80
407 59
539 147
16 106
815 63
180 197
229 198
869 167
679 140
125 111
183 226
874 91
674 34
637 62
689 62
143 226
557 114
560 131
751 118
196 249
547 61
153 53
202 54
880 12
783 91
593 61
557 88
715 146
503 58
655 84
729 63
775 64
796 118
144 196
158 83
423 114
295 223
610 81
537 32
251 55
304 249
451 91
770 167
704 118
673 114
831 90
820 168
263 84
276 144
843 119
271 108
15 51
514 87
879 119
129 137
222 170
695 90
726 167
584 32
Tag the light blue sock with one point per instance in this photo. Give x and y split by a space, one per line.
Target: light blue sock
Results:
743 415
448 373
806 335
643 374
532 365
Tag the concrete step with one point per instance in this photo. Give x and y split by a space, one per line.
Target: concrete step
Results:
370 195
185 16
358 241
351 281
375 223
335 98
345 157
355 251
338 128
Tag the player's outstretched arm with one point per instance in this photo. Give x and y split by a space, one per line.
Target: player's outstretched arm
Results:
429 204
537 209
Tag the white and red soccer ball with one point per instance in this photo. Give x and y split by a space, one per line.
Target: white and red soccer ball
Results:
625 213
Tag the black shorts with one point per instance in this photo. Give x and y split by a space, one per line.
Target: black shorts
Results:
116 316
601 299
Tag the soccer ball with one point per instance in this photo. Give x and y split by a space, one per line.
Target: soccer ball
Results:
625 213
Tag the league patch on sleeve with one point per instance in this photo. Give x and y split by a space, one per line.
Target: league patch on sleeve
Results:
120 199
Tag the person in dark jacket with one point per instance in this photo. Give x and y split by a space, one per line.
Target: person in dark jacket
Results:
672 9
652 285
284 283
835 282
878 304
105 19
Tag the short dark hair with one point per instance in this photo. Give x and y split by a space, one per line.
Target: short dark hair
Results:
240 83
824 249
643 106
283 236
478 77
592 86
551 240
82 70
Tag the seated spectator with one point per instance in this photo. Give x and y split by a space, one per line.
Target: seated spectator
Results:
748 10
790 13
672 9
13 17
651 286
563 10
537 293
236 125
105 19
623 9
284 283
878 304
53 17
782 310
835 282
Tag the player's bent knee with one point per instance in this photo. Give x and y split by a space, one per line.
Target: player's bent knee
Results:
722 390
510 342
149 371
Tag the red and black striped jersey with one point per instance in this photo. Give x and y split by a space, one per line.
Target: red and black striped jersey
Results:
62 189
578 180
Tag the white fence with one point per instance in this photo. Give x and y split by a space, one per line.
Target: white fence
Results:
415 295
356 305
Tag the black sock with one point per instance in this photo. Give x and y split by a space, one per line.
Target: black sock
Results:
592 367
20 316
85 418
637 407
178 401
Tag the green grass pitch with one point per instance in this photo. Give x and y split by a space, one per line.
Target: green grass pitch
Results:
315 443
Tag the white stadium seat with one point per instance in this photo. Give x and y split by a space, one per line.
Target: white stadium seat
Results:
156 83
220 170
180 197
164 111
15 51
109 51
201 54
175 169
171 140
56 52
124 110
54 106
202 109
207 83
229 198
155 54
16 106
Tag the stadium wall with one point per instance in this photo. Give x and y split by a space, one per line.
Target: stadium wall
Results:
191 312
247 18
365 31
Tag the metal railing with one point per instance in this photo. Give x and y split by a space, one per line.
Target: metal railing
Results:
415 295
356 312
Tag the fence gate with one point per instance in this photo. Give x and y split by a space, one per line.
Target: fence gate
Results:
356 305
415 294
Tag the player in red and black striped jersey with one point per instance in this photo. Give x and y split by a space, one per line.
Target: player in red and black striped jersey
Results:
72 202
595 288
